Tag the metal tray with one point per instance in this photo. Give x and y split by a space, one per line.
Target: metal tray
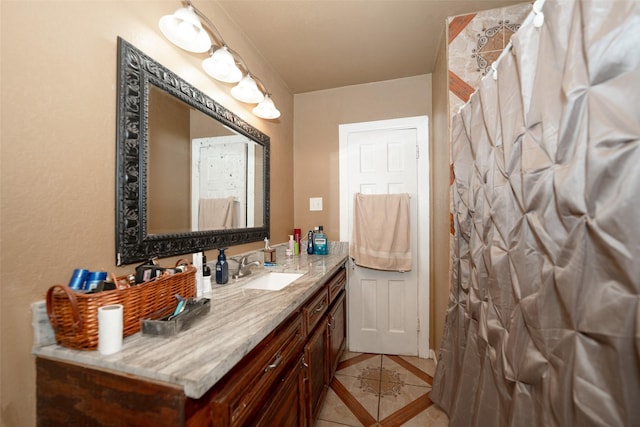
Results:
164 323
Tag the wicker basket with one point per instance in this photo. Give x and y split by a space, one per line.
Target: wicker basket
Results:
74 316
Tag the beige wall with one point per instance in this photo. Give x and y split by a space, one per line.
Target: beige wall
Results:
439 198
58 153
317 117
169 168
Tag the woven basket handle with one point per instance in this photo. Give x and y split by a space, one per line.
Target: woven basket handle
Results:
182 261
77 324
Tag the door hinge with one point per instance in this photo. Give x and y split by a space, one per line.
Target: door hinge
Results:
417 152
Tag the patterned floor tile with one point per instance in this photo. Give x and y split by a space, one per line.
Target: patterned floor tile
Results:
431 417
355 365
426 365
357 396
381 390
406 404
407 372
335 412
323 423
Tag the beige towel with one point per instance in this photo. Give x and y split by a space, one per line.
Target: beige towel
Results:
216 214
381 236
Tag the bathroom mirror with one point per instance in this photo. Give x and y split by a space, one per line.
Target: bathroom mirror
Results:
191 175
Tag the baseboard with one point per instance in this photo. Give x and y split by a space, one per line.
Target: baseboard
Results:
432 355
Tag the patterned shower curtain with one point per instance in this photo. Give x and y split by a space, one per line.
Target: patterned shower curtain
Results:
543 322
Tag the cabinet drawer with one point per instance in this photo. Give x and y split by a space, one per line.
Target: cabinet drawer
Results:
286 406
314 310
247 389
337 284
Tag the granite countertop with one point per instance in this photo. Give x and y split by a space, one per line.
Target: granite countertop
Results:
197 358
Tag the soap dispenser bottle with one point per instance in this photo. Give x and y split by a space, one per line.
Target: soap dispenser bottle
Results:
291 245
222 268
206 275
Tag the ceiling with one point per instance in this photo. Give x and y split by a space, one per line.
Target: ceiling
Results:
322 44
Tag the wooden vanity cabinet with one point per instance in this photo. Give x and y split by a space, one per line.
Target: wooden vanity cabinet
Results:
287 405
315 359
315 310
325 344
264 388
337 320
337 326
285 379
281 382
254 383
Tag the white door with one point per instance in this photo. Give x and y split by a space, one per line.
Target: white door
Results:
219 166
388 311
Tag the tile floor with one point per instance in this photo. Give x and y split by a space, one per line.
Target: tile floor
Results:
381 390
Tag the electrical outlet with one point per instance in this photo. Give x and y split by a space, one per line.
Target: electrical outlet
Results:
315 203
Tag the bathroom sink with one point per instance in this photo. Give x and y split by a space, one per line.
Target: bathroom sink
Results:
272 281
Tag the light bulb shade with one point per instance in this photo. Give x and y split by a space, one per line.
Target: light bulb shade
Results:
184 29
266 109
221 65
247 91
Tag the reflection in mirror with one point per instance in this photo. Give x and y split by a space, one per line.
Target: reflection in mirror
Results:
191 175
202 174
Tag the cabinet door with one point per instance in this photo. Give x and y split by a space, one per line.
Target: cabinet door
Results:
337 333
315 310
337 284
287 406
315 356
240 397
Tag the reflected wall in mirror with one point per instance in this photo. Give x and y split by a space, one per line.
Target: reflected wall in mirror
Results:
216 173
191 175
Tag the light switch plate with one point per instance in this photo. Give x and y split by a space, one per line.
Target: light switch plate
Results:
315 203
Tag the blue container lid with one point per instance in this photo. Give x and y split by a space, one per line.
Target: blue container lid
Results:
96 276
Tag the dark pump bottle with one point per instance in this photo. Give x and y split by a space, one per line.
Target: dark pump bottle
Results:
310 243
206 271
222 268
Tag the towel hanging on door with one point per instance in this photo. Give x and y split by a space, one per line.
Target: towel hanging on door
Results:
381 237
216 214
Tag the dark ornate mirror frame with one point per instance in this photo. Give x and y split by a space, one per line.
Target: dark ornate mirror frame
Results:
136 71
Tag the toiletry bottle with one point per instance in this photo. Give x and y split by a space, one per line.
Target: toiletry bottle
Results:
292 243
197 263
206 275
310 243
320 242
222 268
269 252
296 237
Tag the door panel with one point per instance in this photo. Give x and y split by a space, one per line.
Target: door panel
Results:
382 158
223 167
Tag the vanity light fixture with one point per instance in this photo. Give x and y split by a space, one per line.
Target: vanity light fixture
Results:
266 109
247 91
221 65
184 29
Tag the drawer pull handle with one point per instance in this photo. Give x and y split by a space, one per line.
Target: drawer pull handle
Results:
305 369
275 362
319 308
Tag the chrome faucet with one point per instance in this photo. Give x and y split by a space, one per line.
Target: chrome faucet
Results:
244 267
